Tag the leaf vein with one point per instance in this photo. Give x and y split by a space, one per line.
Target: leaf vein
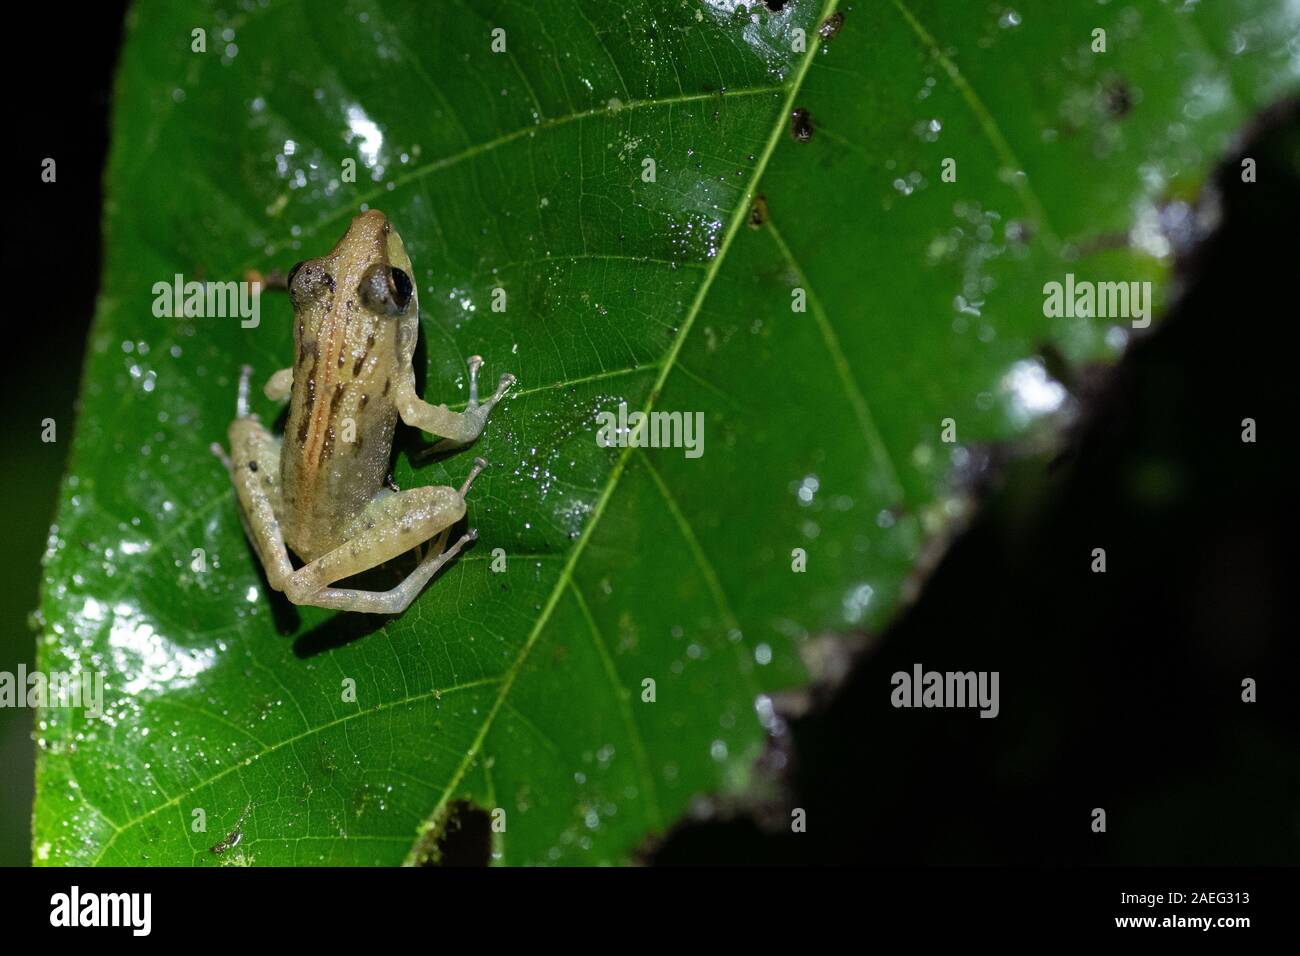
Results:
986 123
857 400
239 765
637 740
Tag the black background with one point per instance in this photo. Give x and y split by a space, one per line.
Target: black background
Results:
1118 690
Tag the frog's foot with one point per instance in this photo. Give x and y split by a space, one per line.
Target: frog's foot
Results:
476 363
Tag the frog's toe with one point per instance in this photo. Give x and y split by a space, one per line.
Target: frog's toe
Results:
241 397
479 465
503 386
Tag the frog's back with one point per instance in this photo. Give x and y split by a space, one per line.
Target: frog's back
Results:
323 496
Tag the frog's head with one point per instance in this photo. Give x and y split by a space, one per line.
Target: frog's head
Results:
368 269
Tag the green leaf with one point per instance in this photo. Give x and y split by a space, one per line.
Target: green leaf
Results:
523 171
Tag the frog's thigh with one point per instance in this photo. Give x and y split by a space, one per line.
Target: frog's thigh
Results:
399 598
390 526
255 470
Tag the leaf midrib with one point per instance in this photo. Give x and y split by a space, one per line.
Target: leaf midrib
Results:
738 215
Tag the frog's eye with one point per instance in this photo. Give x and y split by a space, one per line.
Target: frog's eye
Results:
385 290
402 288
307 280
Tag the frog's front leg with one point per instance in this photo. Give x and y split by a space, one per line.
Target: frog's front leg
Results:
391 526
279 385
457 429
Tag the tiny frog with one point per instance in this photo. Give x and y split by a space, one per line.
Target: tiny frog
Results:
322 488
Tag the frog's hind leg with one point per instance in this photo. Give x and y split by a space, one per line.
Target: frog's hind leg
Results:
254 469
398 523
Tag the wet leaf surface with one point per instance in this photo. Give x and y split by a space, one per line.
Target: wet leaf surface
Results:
522 691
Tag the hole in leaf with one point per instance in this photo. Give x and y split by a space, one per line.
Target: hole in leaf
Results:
463 837
801 125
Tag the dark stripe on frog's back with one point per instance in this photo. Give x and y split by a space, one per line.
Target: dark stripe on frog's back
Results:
325 375
350 358
308 358
324 494
348 477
